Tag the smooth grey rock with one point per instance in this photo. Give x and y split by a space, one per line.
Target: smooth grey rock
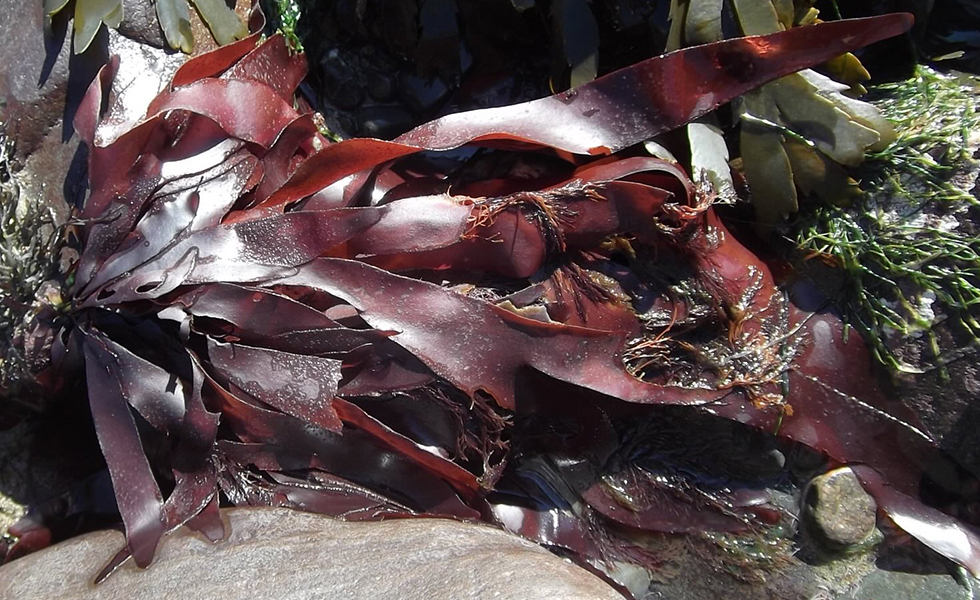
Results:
895 585
840 513
33 75
279 553
140 23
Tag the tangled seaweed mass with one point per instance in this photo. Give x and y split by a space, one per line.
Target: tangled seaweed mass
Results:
360 330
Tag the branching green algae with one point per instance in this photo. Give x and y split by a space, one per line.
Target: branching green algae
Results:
28 258
908 262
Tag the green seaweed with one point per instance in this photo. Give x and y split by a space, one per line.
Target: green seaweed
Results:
796 133
28 258
286 15
173 15
896 259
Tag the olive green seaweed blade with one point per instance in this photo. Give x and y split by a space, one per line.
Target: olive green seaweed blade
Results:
89 16
53 7
175 20
223 22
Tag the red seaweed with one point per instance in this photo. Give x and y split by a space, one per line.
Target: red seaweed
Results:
218 282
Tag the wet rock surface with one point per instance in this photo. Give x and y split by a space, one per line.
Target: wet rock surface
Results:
377 71
947 400
278 553
911 586
838 510
140 23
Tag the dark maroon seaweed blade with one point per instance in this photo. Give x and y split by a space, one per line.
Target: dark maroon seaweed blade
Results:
348 378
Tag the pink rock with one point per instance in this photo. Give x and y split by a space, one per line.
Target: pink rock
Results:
284 554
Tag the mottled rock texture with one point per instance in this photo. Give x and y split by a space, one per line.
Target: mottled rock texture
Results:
839 511
278 553
894 585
